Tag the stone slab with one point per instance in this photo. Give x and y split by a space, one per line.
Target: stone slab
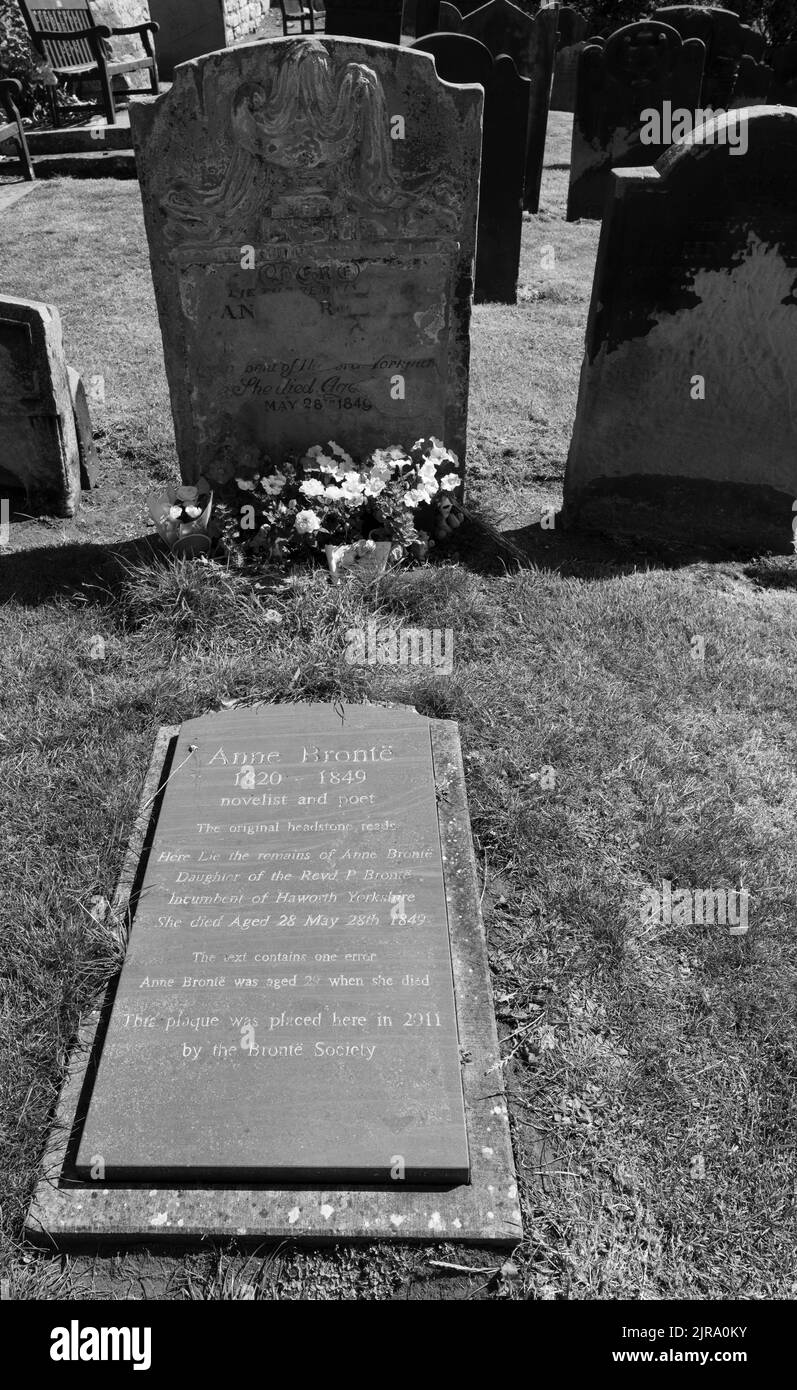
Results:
68 1210
286 1008
685 426
360 258
87 449
38 442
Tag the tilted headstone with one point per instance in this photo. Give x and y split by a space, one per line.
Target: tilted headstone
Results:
721 32
754 43
461 59
641 67
686 428
38 443
531 43
377 20
571 35
286 1008
87 449
783 91
310 206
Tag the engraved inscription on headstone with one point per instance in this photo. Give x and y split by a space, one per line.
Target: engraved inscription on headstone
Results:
311 206
286 1007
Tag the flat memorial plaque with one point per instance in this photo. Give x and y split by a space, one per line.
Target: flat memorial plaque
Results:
286 1007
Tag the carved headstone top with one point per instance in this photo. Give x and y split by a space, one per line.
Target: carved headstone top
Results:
310 206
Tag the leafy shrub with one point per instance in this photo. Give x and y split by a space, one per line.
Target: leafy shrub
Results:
19 59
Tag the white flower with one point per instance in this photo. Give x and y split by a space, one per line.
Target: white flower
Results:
374 485
175 513
449 482
273 484
345 458
415 496
428 476
307 523
246 484
312 487
193 512
333 493
352 487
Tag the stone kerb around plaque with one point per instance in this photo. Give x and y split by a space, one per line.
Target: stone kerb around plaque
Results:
685 431
303 1032
310 206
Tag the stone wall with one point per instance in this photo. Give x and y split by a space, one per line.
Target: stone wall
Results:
243 17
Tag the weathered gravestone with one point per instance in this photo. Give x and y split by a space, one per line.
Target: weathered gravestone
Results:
686 427
365 19
571 35
304 998
310 206
461 59
641 67
38 443
722 32
753 83
531 43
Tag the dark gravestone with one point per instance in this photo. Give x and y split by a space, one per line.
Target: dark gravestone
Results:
39 452
378 20
641 67
286 1007
754 43
721 32
685 428
531 43
461 59
449 19
571 35
783 91
310 206
420 17
753 83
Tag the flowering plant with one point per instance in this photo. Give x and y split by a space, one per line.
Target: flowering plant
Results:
324 499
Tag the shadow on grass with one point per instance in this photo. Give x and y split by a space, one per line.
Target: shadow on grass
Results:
579 555
34 577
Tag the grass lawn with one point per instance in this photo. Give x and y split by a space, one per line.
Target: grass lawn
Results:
650 1068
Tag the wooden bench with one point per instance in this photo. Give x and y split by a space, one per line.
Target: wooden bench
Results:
11 122
297 12
76 47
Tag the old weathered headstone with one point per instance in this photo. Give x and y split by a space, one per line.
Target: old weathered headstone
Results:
461 59
310 206
571 35
686 428
365 19
753 83
641 67
38 443
531 43
721 32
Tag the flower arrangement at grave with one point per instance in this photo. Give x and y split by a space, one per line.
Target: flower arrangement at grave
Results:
181 516
390 507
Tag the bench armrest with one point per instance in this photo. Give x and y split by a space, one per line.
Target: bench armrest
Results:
138 28
100 31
